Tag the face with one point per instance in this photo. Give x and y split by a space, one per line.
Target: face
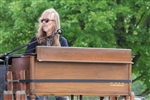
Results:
48 23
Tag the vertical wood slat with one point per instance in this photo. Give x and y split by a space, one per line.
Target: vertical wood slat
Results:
32 85
23 85
8 94
21 95
113 98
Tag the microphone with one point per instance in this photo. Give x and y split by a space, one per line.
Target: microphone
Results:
59 31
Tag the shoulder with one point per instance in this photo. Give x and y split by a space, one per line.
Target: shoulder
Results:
31 45
62 38
33 38
33 41
63 41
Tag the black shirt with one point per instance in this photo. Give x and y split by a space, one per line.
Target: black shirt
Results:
31 48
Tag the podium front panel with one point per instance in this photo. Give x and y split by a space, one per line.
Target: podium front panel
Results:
80 76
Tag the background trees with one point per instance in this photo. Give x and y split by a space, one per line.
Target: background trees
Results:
86 23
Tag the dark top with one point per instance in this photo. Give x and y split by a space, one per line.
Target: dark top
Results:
31 48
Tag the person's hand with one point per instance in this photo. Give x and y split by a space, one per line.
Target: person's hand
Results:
56 40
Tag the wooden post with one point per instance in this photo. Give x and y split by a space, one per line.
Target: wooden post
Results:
127 98
32 96
132 96
8 94
21 95
113 98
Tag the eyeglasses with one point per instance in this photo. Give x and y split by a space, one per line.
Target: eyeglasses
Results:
46 20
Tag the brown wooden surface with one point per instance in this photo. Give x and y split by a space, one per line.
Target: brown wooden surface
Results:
74 54
18 65
80 63
75 63
47 70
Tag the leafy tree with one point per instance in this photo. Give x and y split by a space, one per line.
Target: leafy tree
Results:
86 23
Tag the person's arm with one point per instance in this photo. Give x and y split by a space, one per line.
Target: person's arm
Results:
31 48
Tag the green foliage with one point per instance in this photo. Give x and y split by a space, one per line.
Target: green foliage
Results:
86 23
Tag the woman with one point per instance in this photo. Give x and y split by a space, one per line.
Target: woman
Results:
49 23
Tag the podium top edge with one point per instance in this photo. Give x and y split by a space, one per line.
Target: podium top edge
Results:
83 48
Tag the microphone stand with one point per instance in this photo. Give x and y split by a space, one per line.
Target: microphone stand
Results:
6 55
20 47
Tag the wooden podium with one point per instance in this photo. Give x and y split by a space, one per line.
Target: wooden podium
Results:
68 71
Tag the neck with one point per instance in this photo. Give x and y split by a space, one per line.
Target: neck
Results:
49 33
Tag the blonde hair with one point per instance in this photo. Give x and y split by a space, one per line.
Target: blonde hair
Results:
40 32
